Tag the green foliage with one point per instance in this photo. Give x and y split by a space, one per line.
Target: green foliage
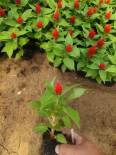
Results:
76 59
54 109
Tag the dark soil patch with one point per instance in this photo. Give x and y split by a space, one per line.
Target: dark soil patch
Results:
22 81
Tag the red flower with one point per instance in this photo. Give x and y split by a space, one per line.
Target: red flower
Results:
39 24
20 20
69 48
2 12
101 1
13 35
76 4
90 11
56 15
108 15
38 8
100 42
55 34
59 4
108 1
18 2
58 88
91 51
102 66
94 9
71 32
72 19
107 28
92 33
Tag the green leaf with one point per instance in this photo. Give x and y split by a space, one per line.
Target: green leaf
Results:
75 52
69 39
57 61
10 46
50 56
112 58
111 69
24 2
69 63
102 74
67 121
23 41
61 138
27 14
19 54
51 3
73 115
41 128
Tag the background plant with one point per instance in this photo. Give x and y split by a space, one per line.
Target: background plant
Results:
55 111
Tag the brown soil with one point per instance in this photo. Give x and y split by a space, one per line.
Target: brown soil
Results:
22 81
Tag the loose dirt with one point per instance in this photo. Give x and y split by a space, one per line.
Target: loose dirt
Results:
23 81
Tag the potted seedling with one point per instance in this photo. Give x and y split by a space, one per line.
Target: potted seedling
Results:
54 109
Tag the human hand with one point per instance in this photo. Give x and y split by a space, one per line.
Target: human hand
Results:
82 147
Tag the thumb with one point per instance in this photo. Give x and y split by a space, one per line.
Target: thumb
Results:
65 149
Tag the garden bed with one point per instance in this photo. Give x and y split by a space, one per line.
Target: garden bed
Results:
22 81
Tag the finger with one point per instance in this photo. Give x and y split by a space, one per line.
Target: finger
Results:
66 149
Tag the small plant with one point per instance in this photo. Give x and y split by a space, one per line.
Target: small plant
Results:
55 111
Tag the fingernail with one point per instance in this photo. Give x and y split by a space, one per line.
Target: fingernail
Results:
57 149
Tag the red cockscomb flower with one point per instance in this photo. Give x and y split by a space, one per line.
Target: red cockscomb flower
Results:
20 20
72 20
59 4
2 12
92 34
90 11
18 2
101 1
100 42
58 88
102 66
69 48
76 4
91 51
107 28
108 15
55 34
38 8
71 32
56 15
39 24
13 35
108 1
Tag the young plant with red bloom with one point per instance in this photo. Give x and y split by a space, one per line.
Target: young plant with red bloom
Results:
2 12
108 1
92 34
59 4
55 33
76 4
20 20
58 88
39 24
18 2
56 15
108 15
102 66
69 48
107 28
91 51
100 42
72 20
13 35
38 8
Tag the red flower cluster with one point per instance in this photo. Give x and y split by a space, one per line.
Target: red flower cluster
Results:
69 48
59 4
2 12
38 8
108 1
107 28
58 88
76 4
101 1
102 66
91 51
56 15
39 24
13 35
91 11
108 15
100 42
20 20
92 34
18 2
72 20
55 34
